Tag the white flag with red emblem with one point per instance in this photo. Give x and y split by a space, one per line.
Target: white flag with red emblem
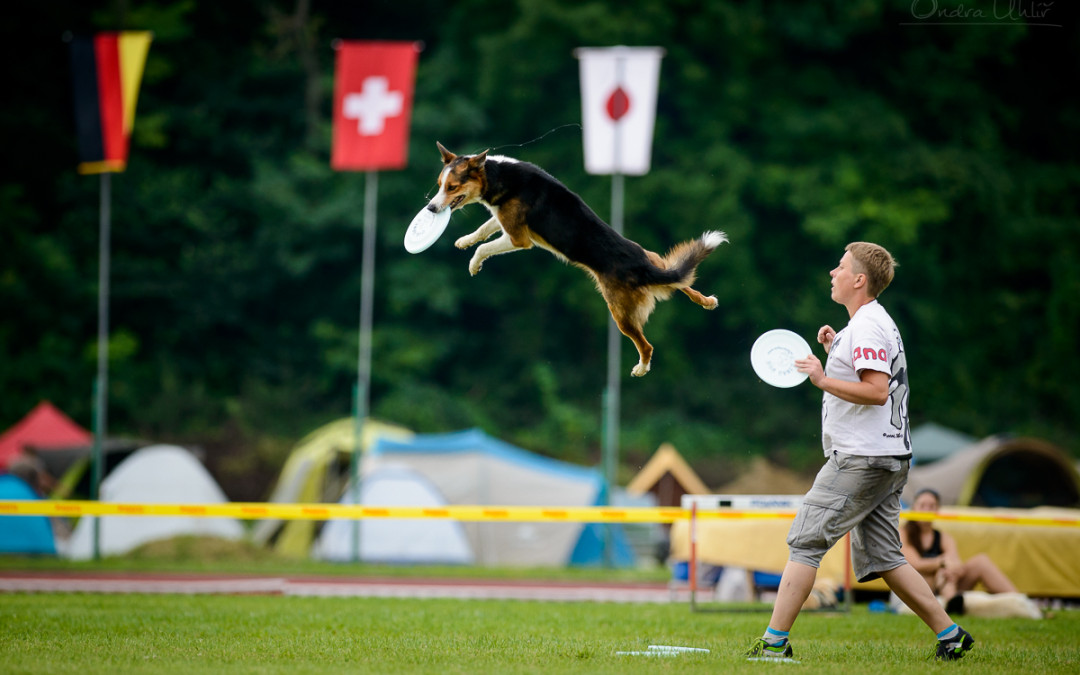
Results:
618 107
373 94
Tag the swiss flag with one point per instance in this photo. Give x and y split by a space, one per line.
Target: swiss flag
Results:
373 95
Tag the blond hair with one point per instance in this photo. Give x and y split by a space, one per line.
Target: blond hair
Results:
875 262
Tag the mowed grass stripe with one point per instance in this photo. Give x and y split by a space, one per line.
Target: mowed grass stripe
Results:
76 633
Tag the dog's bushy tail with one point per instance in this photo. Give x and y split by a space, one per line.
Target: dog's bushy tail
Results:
682 260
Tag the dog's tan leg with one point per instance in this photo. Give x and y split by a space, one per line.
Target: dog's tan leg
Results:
515 235
707 302
501 245
631 330
482 233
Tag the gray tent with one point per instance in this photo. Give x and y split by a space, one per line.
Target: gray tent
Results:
470 467
1000 471
932 442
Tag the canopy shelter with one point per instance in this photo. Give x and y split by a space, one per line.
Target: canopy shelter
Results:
1039 559
42 429
763 477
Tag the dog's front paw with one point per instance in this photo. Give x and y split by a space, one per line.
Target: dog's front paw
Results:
464 242
474 266
711 302
640 369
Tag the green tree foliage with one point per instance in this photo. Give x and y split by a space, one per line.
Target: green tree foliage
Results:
795 127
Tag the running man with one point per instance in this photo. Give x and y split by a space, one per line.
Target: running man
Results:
864 432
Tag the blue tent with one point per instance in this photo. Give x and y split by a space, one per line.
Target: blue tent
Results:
470 467
23 534
591 549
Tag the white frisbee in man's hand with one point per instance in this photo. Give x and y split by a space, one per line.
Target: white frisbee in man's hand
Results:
425 229
773 357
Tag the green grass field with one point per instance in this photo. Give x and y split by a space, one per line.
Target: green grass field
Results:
76 633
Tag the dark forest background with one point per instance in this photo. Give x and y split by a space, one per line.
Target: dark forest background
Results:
948 133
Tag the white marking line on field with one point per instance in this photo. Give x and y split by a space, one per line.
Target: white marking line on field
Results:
772 659
669 648
665 650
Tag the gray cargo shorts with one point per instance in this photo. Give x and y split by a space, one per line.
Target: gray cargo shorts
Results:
857 494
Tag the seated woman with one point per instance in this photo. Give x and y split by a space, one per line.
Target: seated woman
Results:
933 554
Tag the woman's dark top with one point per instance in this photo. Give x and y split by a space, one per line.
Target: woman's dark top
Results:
935 547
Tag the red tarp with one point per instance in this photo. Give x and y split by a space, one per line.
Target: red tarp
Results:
43 427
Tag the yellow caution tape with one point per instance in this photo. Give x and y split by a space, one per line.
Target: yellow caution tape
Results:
256 511
1059 521
509 514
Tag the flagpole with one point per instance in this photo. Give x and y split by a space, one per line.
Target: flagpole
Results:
101 385
97 119
612 107
373 83
363 369
613 389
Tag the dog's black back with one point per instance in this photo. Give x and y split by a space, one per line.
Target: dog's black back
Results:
531 208
565 221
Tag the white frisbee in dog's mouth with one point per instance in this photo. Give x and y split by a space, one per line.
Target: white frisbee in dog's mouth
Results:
773 357
425 229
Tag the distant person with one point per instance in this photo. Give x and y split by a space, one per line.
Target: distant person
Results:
28 466
933 554
865 435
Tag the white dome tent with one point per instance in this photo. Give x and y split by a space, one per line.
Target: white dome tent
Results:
396 541
162 474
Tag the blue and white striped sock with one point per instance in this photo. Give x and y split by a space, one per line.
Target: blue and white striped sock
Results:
949 633
775 637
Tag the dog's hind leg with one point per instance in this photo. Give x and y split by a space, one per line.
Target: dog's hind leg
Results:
501 245
482 233
631 329
645 350
707 302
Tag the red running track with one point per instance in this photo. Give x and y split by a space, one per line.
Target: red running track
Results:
382 587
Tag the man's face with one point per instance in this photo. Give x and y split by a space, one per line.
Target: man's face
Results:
845 278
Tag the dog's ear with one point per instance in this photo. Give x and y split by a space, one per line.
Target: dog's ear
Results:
447 156
478 160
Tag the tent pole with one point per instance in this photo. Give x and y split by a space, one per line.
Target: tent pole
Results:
363 370
101 384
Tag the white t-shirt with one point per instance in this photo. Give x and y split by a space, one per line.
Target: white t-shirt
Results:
870 341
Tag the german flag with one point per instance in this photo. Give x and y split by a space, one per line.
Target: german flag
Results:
107 69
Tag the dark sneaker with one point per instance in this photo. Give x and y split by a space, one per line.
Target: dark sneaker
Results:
764 650
954 647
